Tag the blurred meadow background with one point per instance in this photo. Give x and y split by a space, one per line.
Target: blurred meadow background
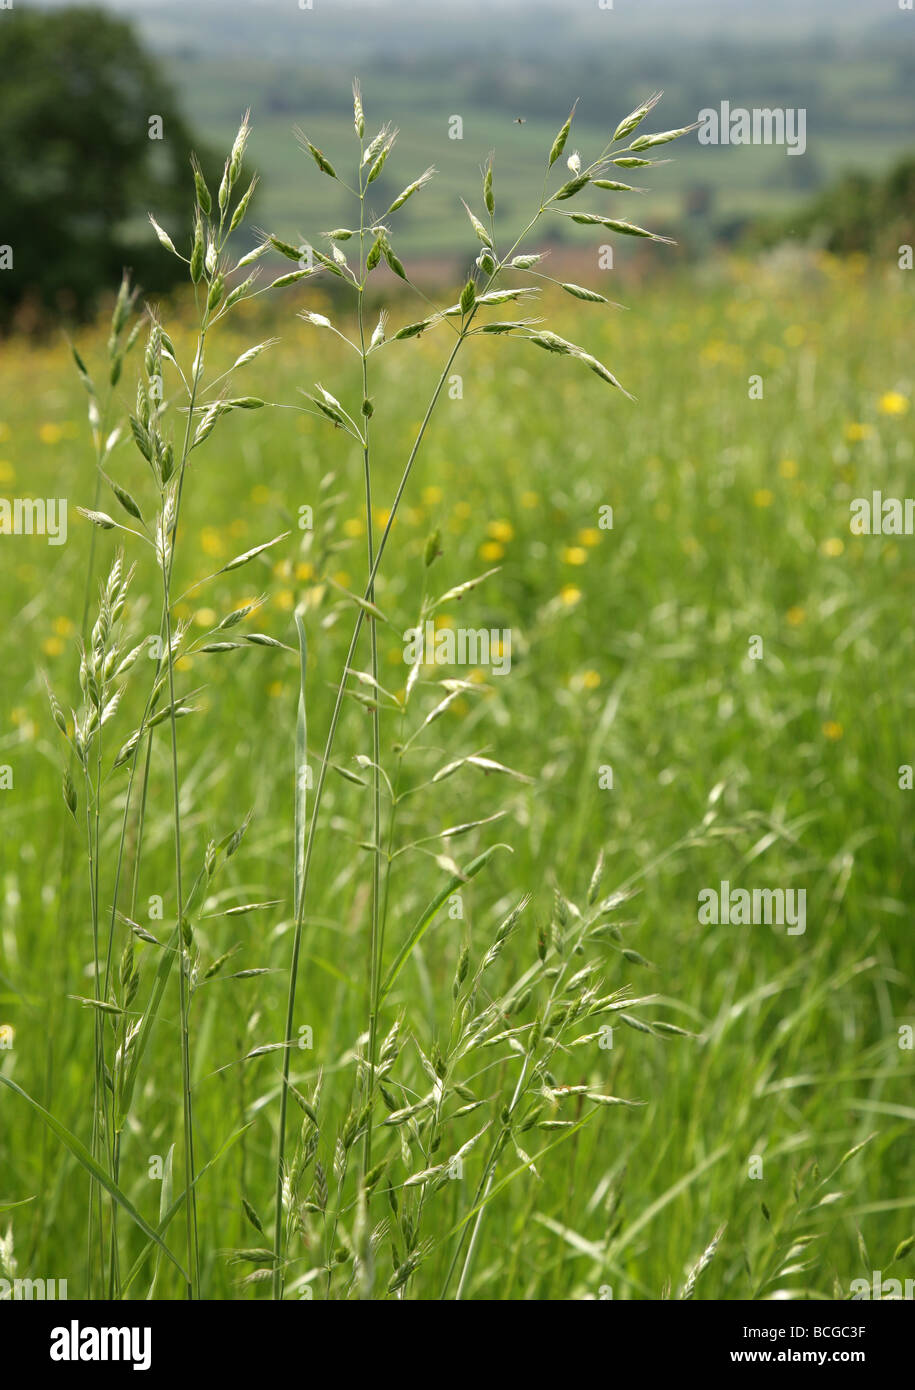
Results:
630 648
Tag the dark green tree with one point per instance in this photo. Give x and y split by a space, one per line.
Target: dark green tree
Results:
872 214
78 169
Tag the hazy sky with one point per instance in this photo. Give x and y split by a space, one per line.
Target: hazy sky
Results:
387 22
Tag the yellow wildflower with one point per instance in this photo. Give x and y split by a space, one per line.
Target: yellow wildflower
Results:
211 541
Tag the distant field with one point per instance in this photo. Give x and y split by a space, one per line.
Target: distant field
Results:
743 182
630 650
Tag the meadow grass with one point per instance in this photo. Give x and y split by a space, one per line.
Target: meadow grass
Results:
629 650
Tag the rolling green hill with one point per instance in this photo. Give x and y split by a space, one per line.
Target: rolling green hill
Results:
844 63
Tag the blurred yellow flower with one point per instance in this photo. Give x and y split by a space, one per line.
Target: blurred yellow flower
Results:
501 530
787 468
7 471
590 680
894 403
353 526
50 434
431 495
717 351
304 570
211 541
589 536
342 577
574 555
260 494
796 616
762 497
794 335
491 550
276 689
184 663
833 730
530 500
569 594
856 432
832 547
52 646
205 617
63 626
